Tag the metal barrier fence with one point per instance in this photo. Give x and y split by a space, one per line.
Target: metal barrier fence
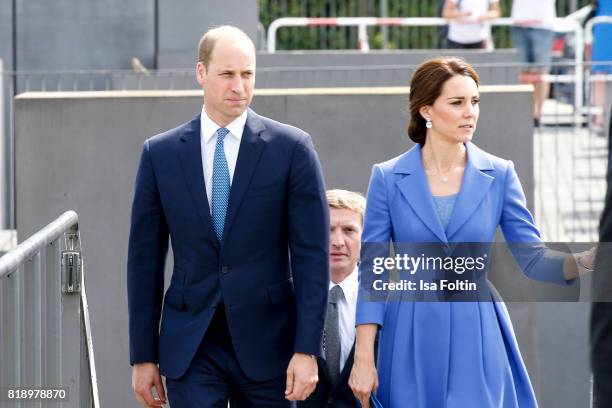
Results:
561 25
383 37
45 335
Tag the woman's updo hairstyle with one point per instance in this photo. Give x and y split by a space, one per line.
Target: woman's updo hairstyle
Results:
426 86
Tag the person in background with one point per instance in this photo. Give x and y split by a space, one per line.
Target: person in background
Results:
532 35
346 223
602 52
468 25
601 311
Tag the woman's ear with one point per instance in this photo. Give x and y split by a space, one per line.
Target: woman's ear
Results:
425 112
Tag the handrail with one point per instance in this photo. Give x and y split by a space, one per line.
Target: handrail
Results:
559 25
74 308
27 249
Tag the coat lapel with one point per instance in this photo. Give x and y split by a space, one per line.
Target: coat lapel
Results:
251 147
474 187
415 189
190 155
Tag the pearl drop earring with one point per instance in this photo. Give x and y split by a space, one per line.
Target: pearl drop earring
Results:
428 124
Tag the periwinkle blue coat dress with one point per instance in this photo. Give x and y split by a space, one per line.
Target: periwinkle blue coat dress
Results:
450 354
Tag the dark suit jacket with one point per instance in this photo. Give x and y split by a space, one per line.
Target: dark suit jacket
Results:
338 395
270 270
601 316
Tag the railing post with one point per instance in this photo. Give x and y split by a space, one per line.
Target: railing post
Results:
71 319
579 68
363 42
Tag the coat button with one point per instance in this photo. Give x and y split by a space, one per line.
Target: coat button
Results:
329 401
224 269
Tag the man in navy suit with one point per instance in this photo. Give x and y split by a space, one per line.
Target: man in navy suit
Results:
346 223
242 199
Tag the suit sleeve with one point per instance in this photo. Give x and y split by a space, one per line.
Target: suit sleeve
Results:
535 259
148 246
376 233
308 226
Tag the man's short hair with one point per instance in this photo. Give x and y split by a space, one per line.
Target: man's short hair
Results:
347 200
210 38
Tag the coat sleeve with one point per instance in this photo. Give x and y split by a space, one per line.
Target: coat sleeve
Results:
308 227
375 238
148 246
535 259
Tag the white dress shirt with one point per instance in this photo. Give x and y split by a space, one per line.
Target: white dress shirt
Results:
347 306
231 144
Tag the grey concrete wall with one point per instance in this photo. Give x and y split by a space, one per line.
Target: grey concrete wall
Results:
6 33
6 56
86 34
314 59
182 23
377 57
321 69
4 145
312 77
80 151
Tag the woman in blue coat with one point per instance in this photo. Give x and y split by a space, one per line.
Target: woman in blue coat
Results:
445 189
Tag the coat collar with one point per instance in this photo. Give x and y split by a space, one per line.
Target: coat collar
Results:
414 187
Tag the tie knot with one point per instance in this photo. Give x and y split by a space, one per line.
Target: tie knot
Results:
221 133
335 294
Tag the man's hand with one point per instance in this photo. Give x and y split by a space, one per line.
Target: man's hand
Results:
302 377
363 380
145 376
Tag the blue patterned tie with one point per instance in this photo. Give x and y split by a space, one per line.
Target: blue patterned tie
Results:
220 185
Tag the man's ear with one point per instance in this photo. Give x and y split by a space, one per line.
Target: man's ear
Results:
425 111
201 73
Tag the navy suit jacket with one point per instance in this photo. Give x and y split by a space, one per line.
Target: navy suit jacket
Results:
270 270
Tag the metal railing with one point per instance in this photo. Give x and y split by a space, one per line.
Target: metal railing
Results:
562 25
45 333
386 37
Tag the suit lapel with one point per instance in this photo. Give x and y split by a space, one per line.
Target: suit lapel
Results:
190 155
251 147
474 187
413 186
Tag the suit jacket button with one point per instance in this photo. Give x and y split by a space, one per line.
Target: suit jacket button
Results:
329 402
224 269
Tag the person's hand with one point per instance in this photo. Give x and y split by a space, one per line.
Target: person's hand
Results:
363 380
302 377
586 259
464 17
145 376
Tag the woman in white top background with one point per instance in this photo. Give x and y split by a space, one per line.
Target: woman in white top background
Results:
468 25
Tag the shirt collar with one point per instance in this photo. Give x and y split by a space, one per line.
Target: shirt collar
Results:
209 127
349 284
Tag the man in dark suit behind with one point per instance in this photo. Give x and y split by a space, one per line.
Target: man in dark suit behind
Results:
601 314
346 223
242 199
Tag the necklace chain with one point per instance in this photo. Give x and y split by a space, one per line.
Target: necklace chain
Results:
443 178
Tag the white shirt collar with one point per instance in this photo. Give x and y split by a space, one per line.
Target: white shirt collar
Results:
349 285
209 127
